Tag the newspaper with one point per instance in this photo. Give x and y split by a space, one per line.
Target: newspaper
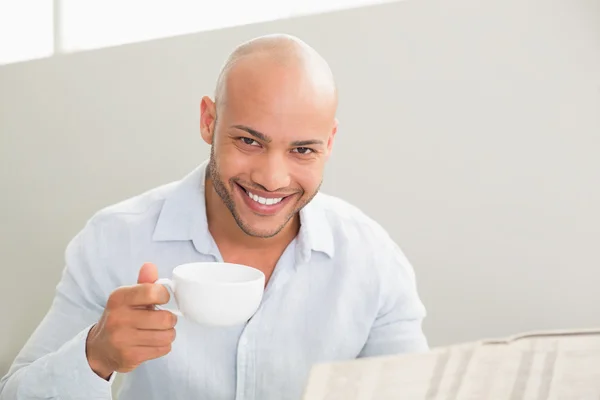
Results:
553 365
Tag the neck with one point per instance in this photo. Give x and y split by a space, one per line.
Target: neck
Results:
227 231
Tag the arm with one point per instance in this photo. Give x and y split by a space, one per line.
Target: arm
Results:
398 326
53 362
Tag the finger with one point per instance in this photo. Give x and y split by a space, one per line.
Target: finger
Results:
153 319
148 273
146 338
145 294
150 353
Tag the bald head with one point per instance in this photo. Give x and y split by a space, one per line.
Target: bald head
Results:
272 54
275 104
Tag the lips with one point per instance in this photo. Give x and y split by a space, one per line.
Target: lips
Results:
264 200
263 205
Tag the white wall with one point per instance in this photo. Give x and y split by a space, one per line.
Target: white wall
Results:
469 129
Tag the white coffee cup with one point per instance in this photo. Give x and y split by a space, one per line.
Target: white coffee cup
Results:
215 293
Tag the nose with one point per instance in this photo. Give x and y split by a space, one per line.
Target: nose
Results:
271 173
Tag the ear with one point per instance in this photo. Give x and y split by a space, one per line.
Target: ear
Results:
208 116
332 137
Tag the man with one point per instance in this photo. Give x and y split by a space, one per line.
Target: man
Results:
337 287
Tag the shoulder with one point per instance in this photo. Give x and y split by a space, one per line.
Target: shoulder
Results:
367 246
107 238
119 225
144 207
362 241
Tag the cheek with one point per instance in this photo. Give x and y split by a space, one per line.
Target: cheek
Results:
308 178
231 162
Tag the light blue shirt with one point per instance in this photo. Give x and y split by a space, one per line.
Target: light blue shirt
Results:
341 290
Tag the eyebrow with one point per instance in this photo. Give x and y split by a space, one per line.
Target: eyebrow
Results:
254 133
301 143
267 139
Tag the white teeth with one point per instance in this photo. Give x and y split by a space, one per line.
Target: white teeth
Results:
264 200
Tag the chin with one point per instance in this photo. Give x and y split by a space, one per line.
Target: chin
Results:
263 235
252 226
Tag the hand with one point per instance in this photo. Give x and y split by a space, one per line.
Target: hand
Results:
130 330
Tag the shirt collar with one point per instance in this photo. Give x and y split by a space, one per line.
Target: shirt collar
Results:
315 229
183 217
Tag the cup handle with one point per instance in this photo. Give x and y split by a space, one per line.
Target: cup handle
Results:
170 285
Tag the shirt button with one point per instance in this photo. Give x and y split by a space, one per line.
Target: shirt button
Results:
244 341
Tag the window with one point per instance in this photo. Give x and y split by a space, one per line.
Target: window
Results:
31 29
99 23
304 7
26 35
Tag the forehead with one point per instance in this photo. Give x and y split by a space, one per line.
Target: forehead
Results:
278 100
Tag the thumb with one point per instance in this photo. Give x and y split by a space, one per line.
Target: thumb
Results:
148 273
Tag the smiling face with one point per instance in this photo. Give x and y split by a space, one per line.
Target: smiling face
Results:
270 142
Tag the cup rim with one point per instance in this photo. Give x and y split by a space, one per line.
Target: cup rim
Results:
260 275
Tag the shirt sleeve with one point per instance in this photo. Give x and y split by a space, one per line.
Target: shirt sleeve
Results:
53 362
398 325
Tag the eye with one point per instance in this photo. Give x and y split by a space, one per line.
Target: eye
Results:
303 150
249 141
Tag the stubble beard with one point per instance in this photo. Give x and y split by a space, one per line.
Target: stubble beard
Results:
225 195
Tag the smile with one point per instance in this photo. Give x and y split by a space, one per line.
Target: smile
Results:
262 205
263 200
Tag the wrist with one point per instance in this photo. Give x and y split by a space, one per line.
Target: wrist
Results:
95 362
99 369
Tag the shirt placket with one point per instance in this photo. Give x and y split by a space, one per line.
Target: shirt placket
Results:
246 363
246 350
